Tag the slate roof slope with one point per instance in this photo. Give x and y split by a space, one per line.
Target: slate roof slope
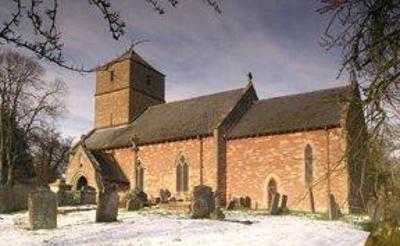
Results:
310 110
107 166
170 121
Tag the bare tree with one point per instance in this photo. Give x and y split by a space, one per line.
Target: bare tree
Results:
368 34
44 37
50 154
27 103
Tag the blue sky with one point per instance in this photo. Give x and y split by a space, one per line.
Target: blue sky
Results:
200 51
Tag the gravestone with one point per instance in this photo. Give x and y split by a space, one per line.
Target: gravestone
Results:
164 195
42 207
333 208
107 206
274 210
136 200
133 204
203 202
284 202
247 202
88 195
237 203
62 195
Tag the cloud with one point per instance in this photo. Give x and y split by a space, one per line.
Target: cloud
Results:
199 51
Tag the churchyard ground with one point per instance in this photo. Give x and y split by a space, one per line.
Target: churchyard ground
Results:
76 226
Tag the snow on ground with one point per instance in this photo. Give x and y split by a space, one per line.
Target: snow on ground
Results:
154 227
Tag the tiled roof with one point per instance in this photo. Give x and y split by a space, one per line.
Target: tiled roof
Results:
310 110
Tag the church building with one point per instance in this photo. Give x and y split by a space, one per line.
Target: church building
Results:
302 146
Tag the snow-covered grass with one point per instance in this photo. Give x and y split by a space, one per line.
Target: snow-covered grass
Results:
156 227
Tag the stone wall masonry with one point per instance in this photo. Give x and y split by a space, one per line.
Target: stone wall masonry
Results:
160 160
252 162
79 165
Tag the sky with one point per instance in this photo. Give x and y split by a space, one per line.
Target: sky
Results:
199 51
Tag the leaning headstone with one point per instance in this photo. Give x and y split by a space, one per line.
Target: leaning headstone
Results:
42 207
274 210
333 208
231 205
107 206
203 202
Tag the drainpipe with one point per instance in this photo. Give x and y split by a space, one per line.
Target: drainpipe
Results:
328 164
216 157
201 159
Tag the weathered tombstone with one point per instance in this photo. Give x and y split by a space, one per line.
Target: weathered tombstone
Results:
42 207
203 202
107 206
237 203
333 208
88 195
164 195
133 204
247 202
6 199
274 210
137 200
62 194
242 202
284 202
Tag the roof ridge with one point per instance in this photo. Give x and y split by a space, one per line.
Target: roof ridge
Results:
303 93
196 97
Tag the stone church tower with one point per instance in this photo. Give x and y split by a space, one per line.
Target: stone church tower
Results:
125 87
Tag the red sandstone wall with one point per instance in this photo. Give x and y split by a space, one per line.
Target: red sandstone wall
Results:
159 162
251 162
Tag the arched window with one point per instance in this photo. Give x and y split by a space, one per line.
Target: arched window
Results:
308 162
182 175
139 176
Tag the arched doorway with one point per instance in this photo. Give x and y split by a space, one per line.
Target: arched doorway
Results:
81 183
272 189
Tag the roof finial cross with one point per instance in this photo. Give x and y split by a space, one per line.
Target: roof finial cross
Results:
250 77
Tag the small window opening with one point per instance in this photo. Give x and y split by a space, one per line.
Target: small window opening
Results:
112 75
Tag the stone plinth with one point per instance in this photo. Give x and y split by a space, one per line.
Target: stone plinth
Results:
107 206
42 207
203 202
